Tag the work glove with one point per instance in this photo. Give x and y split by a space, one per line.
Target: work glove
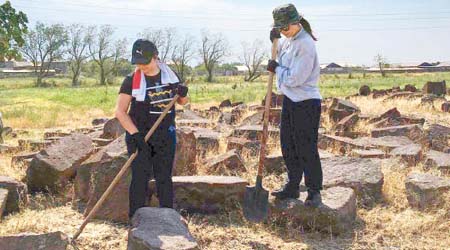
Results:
274 34
272 66
180 90
137 142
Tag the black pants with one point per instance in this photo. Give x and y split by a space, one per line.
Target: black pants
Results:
158 165
298 134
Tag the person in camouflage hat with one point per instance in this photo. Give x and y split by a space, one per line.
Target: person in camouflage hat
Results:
297 70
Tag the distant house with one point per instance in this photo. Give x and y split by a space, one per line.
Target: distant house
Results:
332 68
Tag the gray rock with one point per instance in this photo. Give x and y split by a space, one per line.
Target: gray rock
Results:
437 137
159 229
112 129
363 175
17 194
20 158
425 190
186 152
336 215
206 194
411 154
437 88
439 160
225 164
385 143
340 145
56 165
414 132
371 153
31 241
3 199
243 145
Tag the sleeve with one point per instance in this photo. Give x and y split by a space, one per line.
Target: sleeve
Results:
299 68
126 87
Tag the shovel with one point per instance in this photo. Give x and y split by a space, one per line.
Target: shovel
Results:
256 199
122 172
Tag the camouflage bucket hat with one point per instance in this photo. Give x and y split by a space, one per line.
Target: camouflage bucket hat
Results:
284 15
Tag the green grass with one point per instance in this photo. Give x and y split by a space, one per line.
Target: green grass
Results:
23 105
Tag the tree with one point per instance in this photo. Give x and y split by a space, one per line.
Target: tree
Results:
382 63
182 53
213 49
252 57
77 49
100 46
120 51
12 30
163 40
43 46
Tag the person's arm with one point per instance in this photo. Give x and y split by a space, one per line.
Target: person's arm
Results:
299 69
123 103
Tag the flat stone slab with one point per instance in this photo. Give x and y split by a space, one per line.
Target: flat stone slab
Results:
206 194
439 160
112 129
159 228
411 154
3 198
55 165
425 190
230 162
20 158
31 241
341 145
363 175
254 132
385 143
335 215
438 138
17 193
370 153
413 131
243 145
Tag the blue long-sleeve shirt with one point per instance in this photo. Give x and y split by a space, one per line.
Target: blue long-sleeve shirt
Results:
299 70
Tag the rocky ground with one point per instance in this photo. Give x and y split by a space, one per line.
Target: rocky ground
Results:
385 157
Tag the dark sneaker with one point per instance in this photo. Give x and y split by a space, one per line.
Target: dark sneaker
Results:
287 192
314 199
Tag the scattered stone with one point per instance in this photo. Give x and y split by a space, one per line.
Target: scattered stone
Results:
207 140
397 95
335 215
254 119
340 145
225 163
159 228
439 160
363 175
277 100
274 164
112 129
430 99
275 116
99 121
3 199
55 133
385 143
364 90
254 132
410 88
437 137
201 123
243 146
33 145
378 93
413 131
96 174
347 123
186 152
101 142
371 153
445 107
189 115
225 104
235 104
206 194
345 105
405 120
436 88
411 154
338 114
56 165
392 113
17 194
425 190
227 118
31 241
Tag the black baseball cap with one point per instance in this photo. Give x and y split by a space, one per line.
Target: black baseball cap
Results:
143 51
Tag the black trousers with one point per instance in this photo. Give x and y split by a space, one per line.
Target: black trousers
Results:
299 135
158 165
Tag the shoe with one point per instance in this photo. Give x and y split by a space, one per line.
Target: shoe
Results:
287 192
314 199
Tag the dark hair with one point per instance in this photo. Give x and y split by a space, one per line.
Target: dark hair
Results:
307 28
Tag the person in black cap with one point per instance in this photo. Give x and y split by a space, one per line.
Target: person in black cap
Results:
146 93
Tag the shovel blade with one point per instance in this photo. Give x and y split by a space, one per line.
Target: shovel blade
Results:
256 203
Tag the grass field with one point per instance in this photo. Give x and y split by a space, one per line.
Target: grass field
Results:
24 106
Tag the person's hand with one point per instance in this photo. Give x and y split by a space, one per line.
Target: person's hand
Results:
138 143
274 34
272 66
180 89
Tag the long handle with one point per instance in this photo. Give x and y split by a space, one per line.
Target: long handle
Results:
262 153
122 171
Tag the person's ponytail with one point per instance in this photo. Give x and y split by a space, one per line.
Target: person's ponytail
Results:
307 28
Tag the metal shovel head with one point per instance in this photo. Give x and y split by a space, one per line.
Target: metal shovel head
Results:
256 203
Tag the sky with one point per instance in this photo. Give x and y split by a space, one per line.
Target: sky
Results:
349 32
